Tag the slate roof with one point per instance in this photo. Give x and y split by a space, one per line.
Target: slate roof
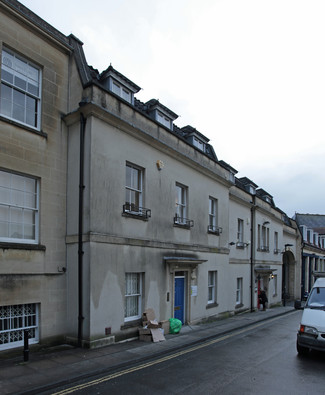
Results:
312 221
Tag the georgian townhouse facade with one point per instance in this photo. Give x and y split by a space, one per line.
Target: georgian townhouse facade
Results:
155 214
109 208
33 159
264 247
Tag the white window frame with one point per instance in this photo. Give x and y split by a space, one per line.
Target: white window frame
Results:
14 320
240 230
212 286
134 186
181 198
121 91
16 209
135 294
213 214
239 291
265 238
22 80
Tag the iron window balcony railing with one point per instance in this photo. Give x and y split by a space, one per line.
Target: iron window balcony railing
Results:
184 222
136 211
217 230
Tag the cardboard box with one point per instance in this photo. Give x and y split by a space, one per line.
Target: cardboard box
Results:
157 335
165 326
148 315
152 324
144 331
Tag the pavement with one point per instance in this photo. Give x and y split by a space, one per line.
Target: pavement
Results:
64 365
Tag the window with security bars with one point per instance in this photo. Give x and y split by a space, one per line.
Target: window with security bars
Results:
20 89
14 320
133 291
18 208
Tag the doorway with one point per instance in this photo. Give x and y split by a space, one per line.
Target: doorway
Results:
179 297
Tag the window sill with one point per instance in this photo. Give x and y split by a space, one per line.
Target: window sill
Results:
211 305
182 226
131 324
21 246
25 127
136 216
239 305
263 249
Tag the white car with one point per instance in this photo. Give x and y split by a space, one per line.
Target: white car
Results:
311 333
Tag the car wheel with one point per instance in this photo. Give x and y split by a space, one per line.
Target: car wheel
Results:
301 350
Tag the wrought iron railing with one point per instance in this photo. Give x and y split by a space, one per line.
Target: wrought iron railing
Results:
185 222
132 209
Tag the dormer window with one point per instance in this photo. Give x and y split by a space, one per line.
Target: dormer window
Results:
118 84
160 113
198 143
161 118
251 189
249 185
120 90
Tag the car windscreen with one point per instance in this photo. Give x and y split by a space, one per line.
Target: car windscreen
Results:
316 298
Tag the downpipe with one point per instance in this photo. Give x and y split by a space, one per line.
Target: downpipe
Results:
80 228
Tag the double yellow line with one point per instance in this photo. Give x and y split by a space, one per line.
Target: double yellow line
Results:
160 360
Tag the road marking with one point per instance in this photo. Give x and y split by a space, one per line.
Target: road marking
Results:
162 359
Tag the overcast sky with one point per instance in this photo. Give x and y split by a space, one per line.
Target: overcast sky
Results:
248 74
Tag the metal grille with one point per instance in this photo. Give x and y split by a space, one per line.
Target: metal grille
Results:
14 320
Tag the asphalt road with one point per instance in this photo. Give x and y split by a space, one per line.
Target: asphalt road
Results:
259 360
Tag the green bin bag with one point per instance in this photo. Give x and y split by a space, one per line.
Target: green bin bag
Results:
175 325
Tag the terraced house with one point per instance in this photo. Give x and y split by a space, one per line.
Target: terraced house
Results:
107 207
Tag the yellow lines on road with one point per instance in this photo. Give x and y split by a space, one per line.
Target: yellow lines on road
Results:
161 360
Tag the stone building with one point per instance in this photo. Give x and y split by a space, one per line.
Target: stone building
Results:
312 229
33 167
108 207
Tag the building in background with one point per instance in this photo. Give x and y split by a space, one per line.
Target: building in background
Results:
312 228
107 207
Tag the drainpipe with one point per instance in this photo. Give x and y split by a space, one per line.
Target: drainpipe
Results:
80 228
252 251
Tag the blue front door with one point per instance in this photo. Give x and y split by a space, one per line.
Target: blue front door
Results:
179 298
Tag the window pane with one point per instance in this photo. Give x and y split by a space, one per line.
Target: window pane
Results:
128 176
22 81
6 100
29 231
6 76
18 206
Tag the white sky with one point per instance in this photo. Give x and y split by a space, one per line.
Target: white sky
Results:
248 74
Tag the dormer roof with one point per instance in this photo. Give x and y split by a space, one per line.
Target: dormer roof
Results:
246 181
155 104
111 72
190 131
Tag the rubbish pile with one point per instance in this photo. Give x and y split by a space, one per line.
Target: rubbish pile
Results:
152 330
